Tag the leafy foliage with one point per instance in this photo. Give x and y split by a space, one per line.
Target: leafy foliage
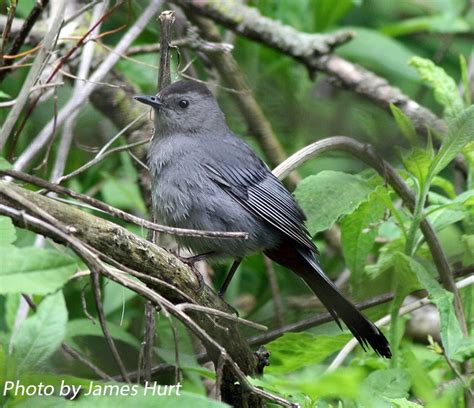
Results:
380 244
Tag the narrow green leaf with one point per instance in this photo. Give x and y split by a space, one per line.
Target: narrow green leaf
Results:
41 334
327 196
465 80
461 132
404 124
34 270
444 87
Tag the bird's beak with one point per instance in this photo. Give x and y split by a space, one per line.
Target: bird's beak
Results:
152 100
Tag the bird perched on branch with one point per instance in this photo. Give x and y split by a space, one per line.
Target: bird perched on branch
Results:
206 178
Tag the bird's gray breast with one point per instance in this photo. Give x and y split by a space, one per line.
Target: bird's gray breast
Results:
184 196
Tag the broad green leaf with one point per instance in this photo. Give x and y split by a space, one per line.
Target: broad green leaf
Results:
128 398
358 233
406 279
443 23
417 162
451 334
85 327
327 196
123 194
12 302
405 124
40 335
403 403
293 351
422 384
460 133
34 270
7 231
444 87
385 383
315 386
367 47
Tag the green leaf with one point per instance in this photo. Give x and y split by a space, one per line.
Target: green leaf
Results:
123 194
4 95
85 327
184 399
293 351
34 270
314 386
403 403
444 87
7 231
358 234
41 334
417 162
407 280
11 308
328 195
451 334
383 384
465 80
442 23
422 384
405 124
460 133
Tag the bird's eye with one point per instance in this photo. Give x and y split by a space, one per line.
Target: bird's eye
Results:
183 103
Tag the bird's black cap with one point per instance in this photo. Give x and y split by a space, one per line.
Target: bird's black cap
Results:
183 87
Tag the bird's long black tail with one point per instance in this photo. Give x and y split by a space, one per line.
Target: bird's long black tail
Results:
304 263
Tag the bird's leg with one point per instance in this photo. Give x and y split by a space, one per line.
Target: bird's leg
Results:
191 262
229 277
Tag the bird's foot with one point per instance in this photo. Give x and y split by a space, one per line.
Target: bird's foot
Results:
191 261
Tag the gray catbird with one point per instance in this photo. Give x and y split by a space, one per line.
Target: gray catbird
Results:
206 178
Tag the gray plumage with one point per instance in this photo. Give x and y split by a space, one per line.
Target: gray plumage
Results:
204 177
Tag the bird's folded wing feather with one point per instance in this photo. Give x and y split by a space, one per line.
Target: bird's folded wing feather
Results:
261 193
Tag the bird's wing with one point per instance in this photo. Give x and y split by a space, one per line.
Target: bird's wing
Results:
261 193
